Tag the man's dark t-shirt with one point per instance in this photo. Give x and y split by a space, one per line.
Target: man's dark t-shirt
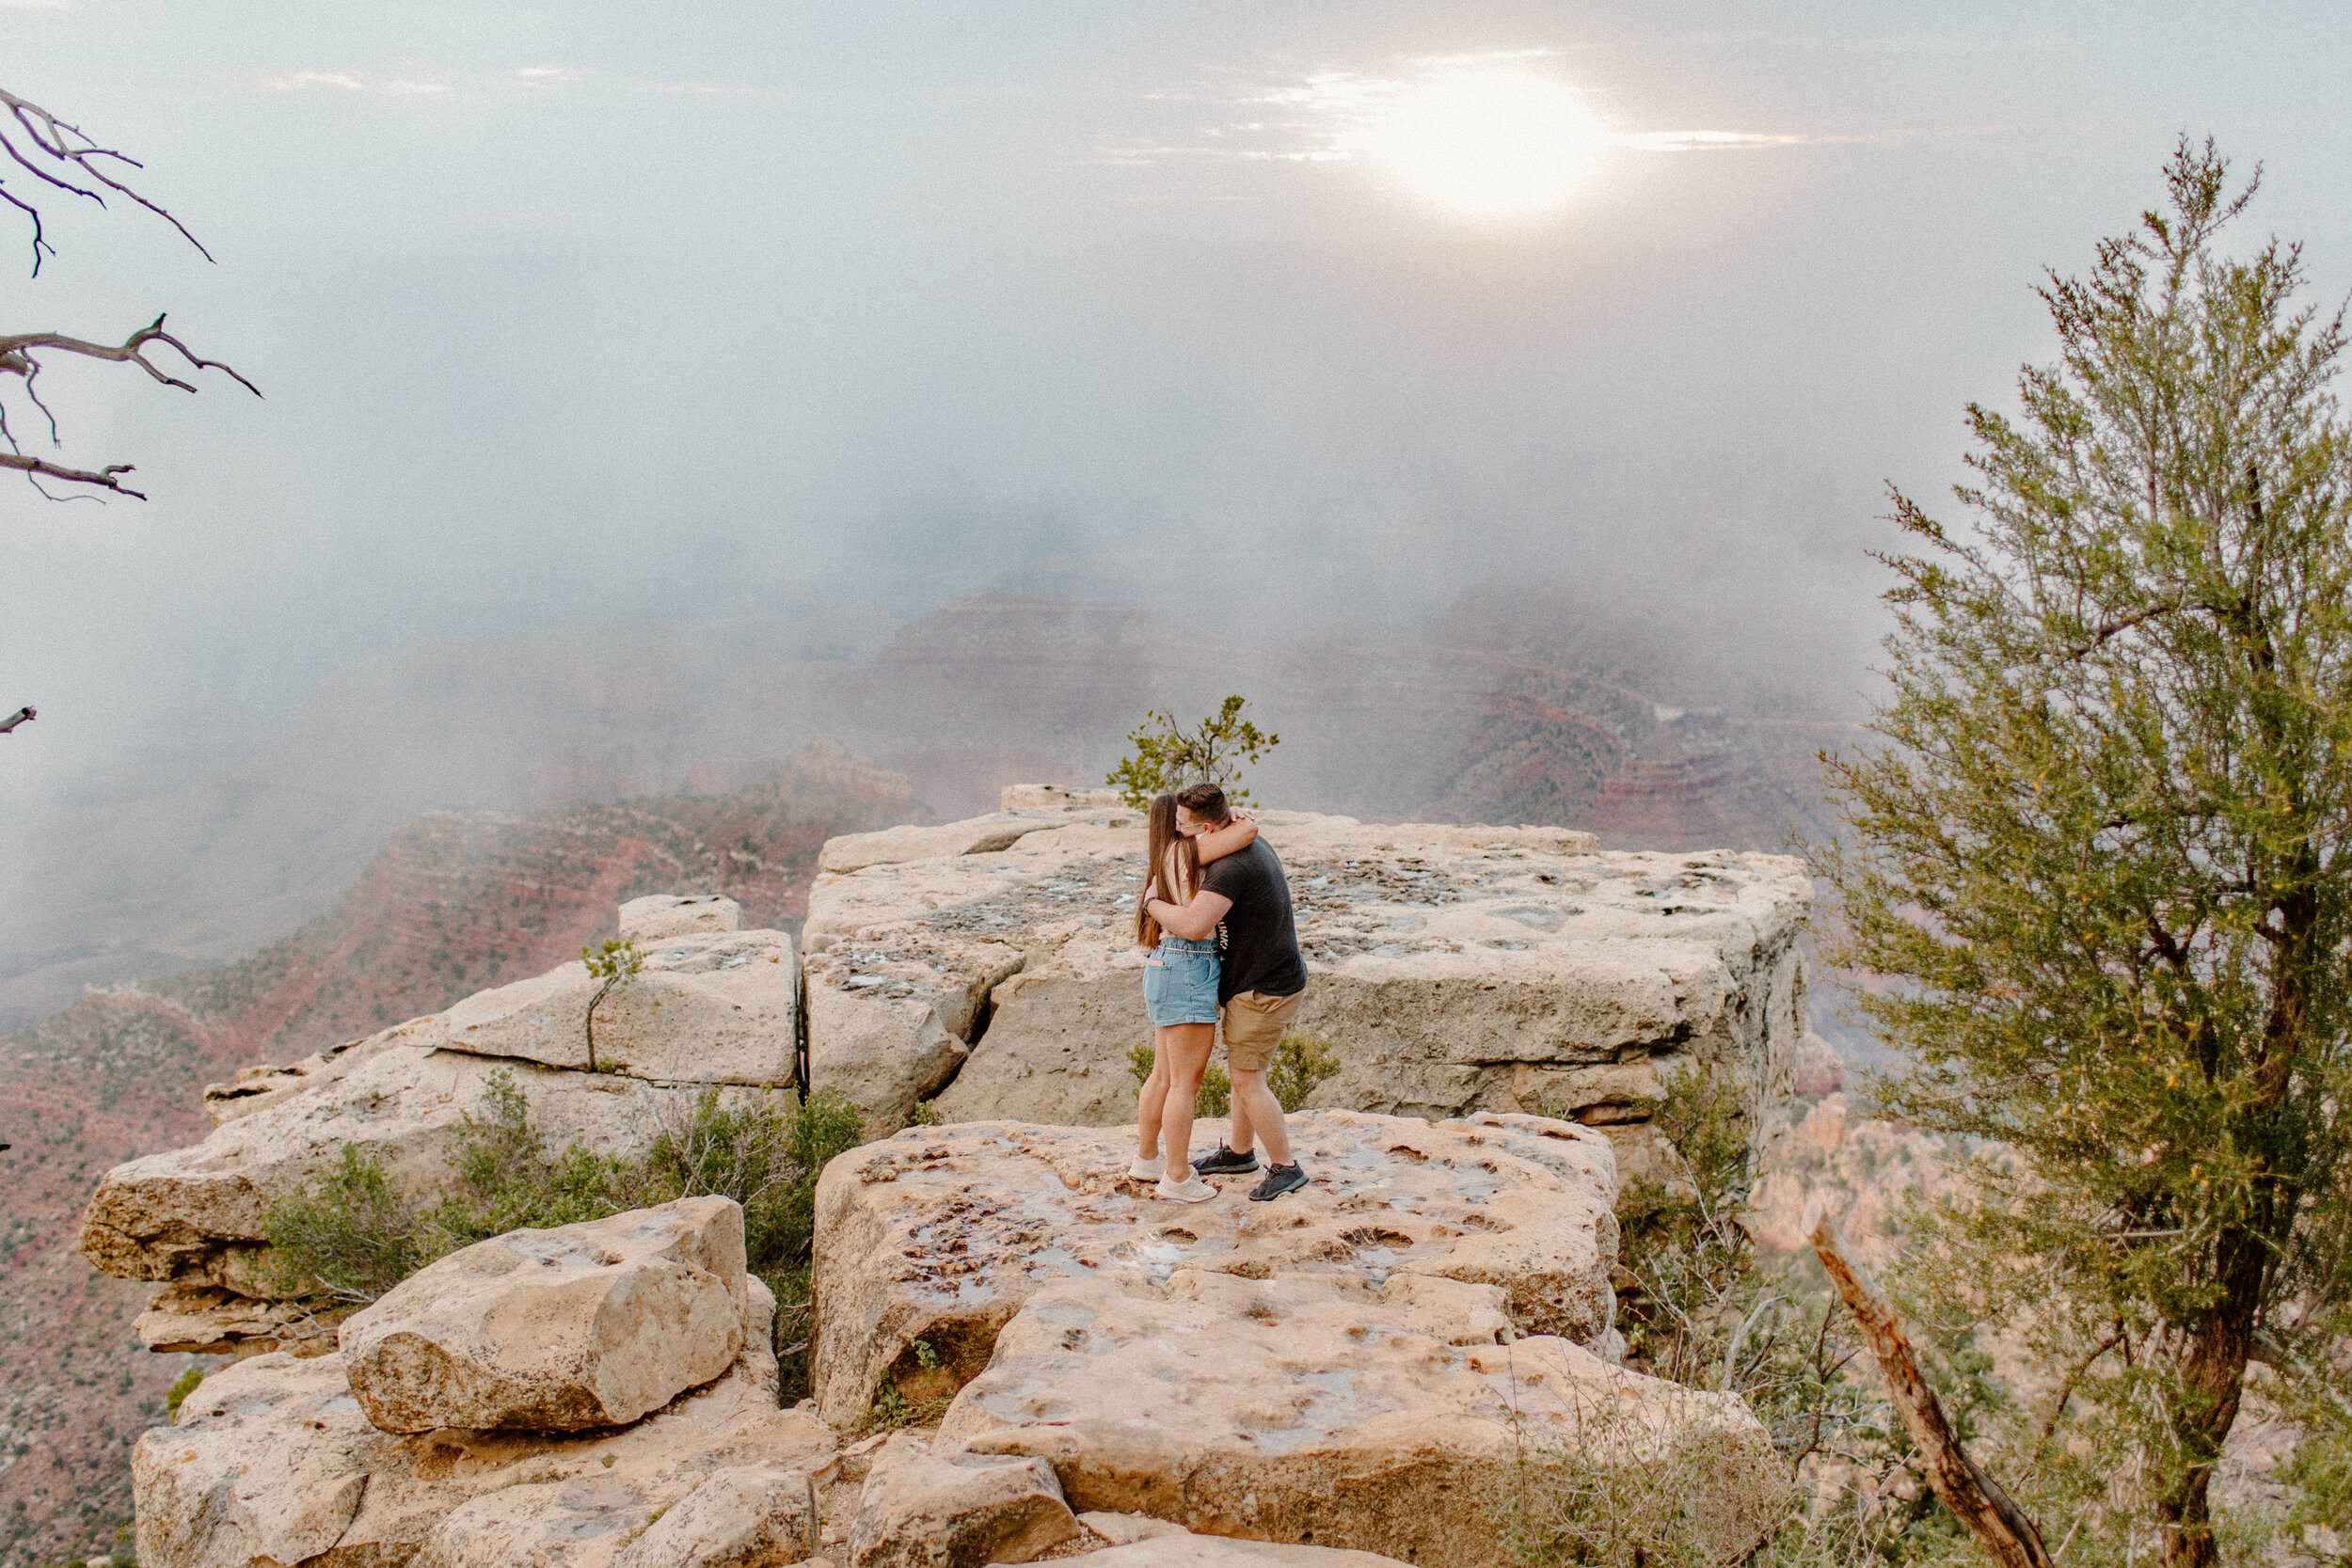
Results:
1260 940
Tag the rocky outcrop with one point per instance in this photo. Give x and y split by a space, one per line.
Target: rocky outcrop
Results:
712 1005
928 1243
1315 1408
272 1462
585 1326
1454 968
957 1509
193 1217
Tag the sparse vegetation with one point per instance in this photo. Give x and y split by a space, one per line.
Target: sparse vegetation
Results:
617 965
1300 1062
892 1409
1613 1496
1167 756
352 1235
185 1384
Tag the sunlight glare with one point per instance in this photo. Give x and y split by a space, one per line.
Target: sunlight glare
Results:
1485 140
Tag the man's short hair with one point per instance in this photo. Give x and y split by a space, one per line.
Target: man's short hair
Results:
1206 801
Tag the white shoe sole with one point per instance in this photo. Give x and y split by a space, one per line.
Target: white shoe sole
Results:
1195 1191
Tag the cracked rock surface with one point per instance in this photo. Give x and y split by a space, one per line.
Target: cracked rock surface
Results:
941 1235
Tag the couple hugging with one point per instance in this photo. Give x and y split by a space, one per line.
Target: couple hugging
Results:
1212 875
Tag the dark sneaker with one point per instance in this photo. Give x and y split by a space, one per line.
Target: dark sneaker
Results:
1225 1161
1279 1179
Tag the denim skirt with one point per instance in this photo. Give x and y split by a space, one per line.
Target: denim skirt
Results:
1179 982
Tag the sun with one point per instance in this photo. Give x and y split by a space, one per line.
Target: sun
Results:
1484 140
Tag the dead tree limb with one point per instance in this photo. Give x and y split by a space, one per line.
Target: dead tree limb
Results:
2000 1527
21 716
60 156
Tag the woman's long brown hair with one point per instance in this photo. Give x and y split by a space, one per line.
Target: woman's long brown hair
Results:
1164 838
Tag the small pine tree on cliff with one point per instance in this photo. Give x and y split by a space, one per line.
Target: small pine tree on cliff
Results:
1167 757
2105 852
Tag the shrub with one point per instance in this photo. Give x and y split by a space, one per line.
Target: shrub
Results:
351 1236
1617 1496
181 1389
1300 1062
1216 1098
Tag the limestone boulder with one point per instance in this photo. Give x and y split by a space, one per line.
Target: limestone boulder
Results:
955 1509
750 1517
661 915
1454 968
193 1217
928 1241
271 1463
1316 1408
708 1006
583 1325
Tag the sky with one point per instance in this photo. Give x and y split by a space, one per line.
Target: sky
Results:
597 312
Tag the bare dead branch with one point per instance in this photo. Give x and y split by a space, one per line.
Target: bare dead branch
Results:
2000 1527
14 354
21 716
66 148
106 478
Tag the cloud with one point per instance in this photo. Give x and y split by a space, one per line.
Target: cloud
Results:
549 76
36 4
349 81
707 89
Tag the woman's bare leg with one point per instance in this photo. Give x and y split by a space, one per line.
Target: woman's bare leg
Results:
1150 1102
1183 1050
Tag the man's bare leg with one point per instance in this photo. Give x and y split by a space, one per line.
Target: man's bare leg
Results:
1255 1106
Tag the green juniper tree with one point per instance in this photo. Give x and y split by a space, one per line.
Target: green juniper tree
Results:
2103 853
1167 757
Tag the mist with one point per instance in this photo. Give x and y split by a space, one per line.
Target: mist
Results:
598 316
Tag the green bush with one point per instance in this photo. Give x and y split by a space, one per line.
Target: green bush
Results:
1300 1062
181 1389
351 1236
1617 1496
1216 1098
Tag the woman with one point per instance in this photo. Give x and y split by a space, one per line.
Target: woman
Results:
1180 994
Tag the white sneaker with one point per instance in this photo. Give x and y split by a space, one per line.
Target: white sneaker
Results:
1149 1171
1190 1190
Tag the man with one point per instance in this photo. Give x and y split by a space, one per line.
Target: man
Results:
1261 982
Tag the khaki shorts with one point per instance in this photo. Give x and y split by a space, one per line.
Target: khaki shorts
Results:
1253 1021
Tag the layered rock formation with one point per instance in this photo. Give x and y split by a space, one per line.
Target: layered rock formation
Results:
991 963
711 1004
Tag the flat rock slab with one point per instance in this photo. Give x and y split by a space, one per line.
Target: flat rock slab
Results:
560 1330
273 1463
928 1242
193 1215
1454 968
1312 1409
